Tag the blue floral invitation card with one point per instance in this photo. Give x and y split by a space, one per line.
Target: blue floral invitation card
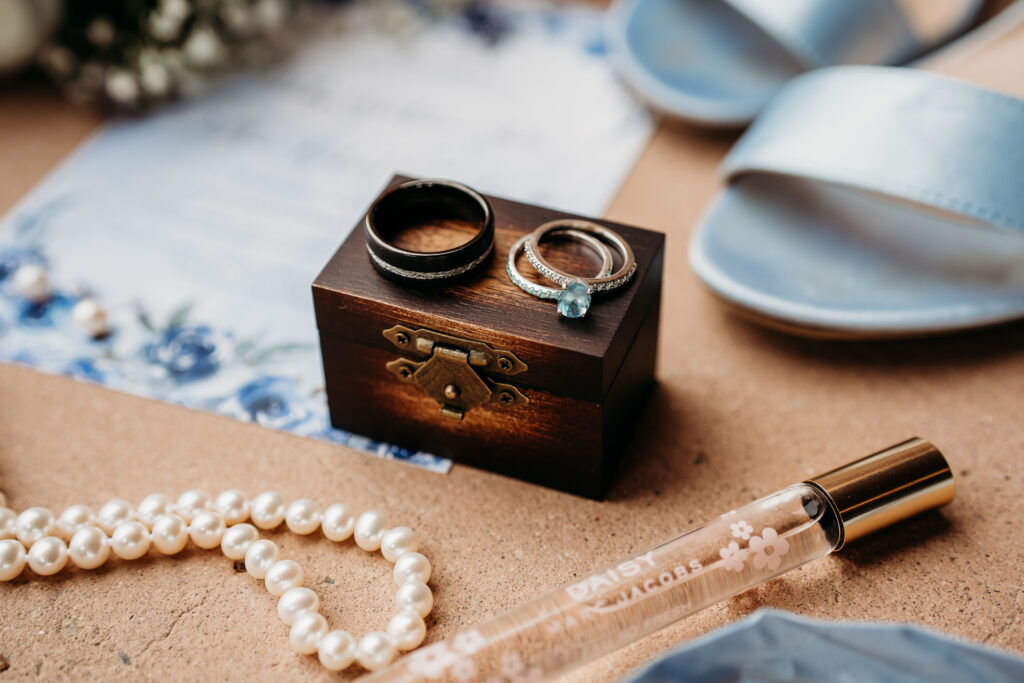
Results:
200 229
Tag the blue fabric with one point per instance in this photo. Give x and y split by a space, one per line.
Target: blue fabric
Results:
777 646
906 134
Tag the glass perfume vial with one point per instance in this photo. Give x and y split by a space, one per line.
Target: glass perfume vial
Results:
607 610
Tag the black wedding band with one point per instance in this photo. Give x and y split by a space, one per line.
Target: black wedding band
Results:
422 202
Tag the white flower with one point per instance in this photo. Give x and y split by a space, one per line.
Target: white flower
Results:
768 549
432 662
511 665
741 529
468 642
203 47
733 556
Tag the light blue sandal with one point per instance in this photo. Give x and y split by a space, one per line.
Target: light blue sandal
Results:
872 202
718 62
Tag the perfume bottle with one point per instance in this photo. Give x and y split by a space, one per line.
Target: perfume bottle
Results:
639 595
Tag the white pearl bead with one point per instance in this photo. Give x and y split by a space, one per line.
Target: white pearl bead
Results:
407 630
206 529
8 523
306 632
302 517
397 542
90 315
338 522
336 650
296 601
259 557
33 524
152 507
237 539
48 556
32 282
375 651
415 596
12 559
267 510
74 518
117 511
130 540
411 567
370 526
191 502
233 506
89 547
170 534
283 576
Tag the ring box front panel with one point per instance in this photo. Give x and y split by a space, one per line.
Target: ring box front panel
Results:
585 381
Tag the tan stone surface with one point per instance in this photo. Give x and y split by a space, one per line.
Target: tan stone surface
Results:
739 413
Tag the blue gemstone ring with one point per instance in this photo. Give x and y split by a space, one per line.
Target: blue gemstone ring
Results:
574 296
603 283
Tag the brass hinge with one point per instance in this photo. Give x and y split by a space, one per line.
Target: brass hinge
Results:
454 371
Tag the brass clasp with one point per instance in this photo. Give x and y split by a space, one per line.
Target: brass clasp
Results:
454 370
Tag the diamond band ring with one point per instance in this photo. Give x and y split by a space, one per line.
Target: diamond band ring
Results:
604 283
573 298
574 292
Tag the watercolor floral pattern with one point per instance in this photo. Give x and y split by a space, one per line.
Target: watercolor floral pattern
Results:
181 360
184 352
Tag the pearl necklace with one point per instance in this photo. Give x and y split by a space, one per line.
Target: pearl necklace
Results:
46 544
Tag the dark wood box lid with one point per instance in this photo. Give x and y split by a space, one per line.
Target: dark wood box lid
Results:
575 358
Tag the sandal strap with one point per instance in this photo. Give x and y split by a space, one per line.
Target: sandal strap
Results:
819 33
906 134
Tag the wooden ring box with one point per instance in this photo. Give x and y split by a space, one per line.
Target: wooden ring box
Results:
485 374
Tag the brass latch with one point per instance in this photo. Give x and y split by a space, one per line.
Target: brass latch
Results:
452 368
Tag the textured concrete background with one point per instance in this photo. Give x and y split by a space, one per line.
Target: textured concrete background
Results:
739 413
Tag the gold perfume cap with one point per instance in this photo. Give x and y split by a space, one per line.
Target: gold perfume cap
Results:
886 487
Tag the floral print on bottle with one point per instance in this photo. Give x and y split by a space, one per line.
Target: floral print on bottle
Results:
764 551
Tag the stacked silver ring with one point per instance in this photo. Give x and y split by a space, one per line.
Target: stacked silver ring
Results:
574 292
